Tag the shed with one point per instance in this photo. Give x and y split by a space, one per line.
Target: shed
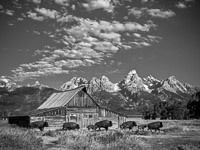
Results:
75 105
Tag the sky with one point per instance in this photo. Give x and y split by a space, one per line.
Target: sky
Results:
52 41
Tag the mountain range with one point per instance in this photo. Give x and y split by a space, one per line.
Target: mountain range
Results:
127 94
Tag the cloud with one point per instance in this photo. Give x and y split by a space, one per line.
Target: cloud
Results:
7 11
62 2
159 13
35 17
36 1
184 4
81 41
98 4
52 14
141 44
181 5
136 12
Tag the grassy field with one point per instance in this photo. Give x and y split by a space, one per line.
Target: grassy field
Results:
175 135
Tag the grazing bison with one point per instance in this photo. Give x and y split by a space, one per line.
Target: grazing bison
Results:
91 127
70 126
103 124
39 124
155 125
128 124
142 127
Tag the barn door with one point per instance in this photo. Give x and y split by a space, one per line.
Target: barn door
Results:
89 119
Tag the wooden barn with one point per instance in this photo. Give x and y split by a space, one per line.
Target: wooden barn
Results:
75 105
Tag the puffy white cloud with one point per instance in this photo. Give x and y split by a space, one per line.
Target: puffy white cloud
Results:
137 35
62 2
141 44
37 1
6 11
35 16
136 12
159 13
181 5
47 12
107 5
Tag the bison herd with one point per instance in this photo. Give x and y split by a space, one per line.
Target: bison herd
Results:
25 122
106 124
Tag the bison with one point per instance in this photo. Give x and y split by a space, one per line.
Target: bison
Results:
128 124
39 124
142 127
103 124
91 127
70 126
155 125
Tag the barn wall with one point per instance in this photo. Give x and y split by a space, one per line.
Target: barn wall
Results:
81 99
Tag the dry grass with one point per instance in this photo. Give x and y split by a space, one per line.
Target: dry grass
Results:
12 137
112 140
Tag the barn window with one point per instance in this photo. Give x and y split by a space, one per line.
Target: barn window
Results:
73 117
85 116
90 116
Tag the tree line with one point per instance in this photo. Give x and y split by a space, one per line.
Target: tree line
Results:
174 109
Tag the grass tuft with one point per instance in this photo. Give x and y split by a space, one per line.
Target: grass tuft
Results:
19 138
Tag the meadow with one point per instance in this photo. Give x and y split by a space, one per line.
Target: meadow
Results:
175 135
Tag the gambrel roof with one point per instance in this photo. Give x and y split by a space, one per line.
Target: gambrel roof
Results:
61 99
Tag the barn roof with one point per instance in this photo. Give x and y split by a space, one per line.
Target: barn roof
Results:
60 99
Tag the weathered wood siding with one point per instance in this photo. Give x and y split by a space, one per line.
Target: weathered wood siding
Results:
106 113
81 99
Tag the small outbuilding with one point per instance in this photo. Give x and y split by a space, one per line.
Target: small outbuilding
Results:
75 105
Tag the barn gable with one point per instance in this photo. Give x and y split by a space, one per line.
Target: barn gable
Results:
72 98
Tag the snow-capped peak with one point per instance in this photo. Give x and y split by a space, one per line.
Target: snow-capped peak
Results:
133 82
73 83
150 78
38 85
173 85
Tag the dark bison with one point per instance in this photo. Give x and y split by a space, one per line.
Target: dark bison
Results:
70 126
155 126
128 125
103 124
39 124
91 127
142 127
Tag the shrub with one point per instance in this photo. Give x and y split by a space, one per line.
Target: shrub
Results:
185 147
18 138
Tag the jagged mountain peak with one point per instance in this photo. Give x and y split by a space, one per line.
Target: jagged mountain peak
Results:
132 73
174 85
73 83
172 79
133 83
151 79
152 82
